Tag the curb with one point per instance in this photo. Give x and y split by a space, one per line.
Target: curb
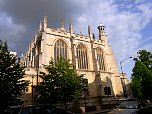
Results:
97 112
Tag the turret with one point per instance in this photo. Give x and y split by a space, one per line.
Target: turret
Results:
101 29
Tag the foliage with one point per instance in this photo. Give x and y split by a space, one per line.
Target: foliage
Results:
141 83
11 75
60 83
146 58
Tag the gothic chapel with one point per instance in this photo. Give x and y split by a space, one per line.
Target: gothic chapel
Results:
93 58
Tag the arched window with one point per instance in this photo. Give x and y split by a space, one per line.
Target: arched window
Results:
100 59
60 50
82 57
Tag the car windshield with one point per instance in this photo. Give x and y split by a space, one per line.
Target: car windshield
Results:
128 105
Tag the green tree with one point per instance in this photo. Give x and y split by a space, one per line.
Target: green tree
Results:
60 83
141 83
146 58
11 78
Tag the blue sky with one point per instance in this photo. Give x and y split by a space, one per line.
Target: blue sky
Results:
128 22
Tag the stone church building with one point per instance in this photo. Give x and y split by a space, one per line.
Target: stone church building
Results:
93 58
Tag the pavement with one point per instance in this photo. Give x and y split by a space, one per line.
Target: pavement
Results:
104 111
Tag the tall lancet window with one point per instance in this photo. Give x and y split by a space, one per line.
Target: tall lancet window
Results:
60 50
100 59
82 57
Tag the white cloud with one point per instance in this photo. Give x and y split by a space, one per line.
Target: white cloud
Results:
124 20
82 19
141 1
123 25
147 47
146 44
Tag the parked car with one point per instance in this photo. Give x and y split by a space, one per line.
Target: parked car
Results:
39 109
126 107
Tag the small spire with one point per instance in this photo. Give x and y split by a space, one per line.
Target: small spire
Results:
22 55
89 31
45 19
93 36
62 23
45 22
70 27
40 27
80 33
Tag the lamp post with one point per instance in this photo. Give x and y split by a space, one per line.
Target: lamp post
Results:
98 87
123 79
85 88
32 90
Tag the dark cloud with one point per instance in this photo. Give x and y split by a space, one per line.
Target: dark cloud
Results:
27 13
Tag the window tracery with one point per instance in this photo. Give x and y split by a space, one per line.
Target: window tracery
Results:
82 56
60 50
100 59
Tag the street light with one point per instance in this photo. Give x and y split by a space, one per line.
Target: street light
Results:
32 90
98 86
123 79
85 89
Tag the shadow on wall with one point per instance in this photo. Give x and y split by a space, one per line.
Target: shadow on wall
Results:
100 94
101 87
100 90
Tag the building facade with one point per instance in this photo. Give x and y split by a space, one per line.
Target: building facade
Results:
92 57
